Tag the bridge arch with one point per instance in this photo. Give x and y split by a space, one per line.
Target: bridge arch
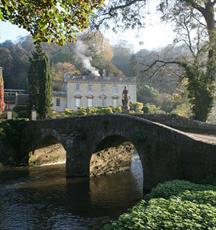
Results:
48 149
113 154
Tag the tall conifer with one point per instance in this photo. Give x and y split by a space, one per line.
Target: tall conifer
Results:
39 83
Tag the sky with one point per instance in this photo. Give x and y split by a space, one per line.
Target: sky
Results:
155 34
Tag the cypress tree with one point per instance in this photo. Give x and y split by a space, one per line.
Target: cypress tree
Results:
39 83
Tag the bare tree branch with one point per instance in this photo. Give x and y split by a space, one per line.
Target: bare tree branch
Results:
163 63
122 6
195 5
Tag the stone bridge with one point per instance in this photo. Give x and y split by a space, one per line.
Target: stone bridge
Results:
166 153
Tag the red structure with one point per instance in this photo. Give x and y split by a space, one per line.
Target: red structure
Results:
2 104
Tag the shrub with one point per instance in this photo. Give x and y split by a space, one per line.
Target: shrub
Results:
20 112
175 205
166 214
182 110
105 110
175 188
152 109
200 197
68 112
136 107
56 114
10 134
92 110
81 111
117 109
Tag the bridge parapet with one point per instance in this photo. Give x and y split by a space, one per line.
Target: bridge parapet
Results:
181 123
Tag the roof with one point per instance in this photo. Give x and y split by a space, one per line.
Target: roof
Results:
59 93
100 79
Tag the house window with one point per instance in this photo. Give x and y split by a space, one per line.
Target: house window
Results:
90 102
102 88
58 101
115 102
115 89
77 86
89 87
77 102
103 102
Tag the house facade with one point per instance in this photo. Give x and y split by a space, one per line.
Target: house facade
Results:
89 91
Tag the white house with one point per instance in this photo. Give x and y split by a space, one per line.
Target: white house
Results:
88 91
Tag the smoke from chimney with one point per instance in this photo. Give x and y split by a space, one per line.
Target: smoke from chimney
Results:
80 50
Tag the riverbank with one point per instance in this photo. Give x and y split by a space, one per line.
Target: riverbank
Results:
172 205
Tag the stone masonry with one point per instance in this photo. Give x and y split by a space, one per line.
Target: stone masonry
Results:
165 152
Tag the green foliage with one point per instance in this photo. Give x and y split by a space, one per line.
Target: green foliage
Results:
122 55
167 214
182 110
201 95
11 130
117 109
194 28
81 111
172 205
176 187
200 197
21 112
10 135
151 109
136 107
50 21
155 99
15 63
40 83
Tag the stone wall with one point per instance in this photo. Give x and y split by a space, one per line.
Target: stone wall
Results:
181 123
111 160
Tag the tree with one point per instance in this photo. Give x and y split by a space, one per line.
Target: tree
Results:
40 83
15 61
195 26
186 14
122 55
49 20
121 13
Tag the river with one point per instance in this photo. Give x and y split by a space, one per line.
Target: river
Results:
42 198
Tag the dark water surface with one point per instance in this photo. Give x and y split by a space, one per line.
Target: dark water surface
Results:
42 198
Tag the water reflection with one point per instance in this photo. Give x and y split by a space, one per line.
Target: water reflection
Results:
42 198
